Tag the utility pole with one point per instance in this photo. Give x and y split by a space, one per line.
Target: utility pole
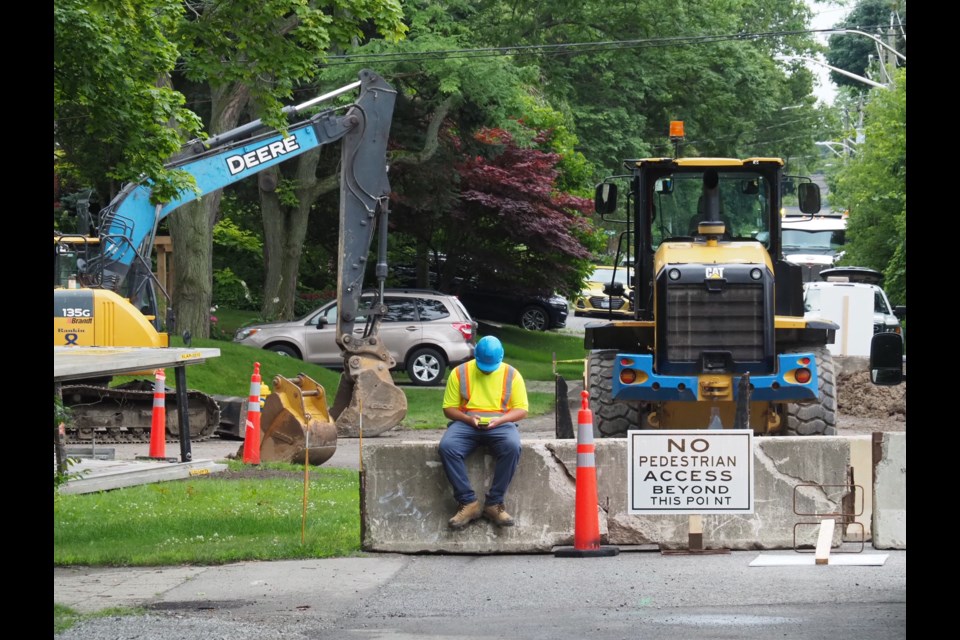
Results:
891 58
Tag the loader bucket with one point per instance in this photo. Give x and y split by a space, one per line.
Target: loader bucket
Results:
295 424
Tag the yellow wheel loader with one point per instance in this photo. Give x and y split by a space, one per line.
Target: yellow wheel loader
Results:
717 336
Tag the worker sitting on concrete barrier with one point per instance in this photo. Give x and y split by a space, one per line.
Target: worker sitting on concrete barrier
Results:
484 399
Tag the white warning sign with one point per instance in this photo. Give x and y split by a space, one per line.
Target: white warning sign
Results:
690 472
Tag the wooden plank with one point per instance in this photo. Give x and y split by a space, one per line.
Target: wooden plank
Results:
805 559
825 541
90 476
695 537
861 462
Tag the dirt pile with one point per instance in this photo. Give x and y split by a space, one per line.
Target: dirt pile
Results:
858 397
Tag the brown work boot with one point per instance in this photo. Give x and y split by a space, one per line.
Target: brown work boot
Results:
498 515
465 514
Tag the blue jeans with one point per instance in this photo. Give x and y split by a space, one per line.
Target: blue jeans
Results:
461 439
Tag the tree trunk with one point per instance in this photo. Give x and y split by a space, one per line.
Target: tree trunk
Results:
273 214
191 230
193 266
284 231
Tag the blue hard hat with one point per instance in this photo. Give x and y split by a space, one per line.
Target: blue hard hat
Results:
489 354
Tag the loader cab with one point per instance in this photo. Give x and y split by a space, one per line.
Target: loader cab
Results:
670 201
683 198
667 199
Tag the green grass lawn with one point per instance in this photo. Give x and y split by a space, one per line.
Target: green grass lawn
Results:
228 518
532 353
271 511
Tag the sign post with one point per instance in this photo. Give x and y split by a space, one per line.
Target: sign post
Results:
695 472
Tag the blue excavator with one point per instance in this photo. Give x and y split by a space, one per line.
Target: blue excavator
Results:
105 293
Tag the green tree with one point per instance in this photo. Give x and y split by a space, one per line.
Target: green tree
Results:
600 104
443 99
661 65
873 186
111 119
524 233
617 98
251 58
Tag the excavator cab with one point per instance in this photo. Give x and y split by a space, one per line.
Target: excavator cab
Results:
73 257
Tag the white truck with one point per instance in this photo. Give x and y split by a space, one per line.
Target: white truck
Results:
815 242
853 298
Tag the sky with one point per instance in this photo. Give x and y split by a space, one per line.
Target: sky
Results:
825 16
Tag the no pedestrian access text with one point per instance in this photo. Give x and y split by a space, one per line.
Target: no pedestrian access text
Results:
690 472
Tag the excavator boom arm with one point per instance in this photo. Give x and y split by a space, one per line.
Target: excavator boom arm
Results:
128 224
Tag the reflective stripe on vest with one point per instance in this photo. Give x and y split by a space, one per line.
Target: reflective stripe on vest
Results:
505 392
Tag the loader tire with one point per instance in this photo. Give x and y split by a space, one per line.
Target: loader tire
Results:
816 418
611 419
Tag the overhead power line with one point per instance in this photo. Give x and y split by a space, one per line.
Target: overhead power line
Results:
570 48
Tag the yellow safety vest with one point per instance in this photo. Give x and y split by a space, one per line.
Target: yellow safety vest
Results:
492 412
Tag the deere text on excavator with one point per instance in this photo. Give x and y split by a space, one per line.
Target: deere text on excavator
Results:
105 290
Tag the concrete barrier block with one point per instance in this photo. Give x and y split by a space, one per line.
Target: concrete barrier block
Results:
790 474
407 499
850 364
890 493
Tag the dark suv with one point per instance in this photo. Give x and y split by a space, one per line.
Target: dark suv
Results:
425 331
532 312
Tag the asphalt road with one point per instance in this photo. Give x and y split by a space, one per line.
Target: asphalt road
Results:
636 594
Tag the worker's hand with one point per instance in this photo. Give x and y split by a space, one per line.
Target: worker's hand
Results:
483 424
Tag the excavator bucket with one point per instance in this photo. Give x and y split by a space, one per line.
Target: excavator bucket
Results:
295 424
368 402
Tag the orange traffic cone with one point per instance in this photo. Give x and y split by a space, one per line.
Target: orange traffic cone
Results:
586 536
251 437
158 426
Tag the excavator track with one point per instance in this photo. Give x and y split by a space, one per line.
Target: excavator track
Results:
124 414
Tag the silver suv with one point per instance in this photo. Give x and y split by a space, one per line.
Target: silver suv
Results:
425 331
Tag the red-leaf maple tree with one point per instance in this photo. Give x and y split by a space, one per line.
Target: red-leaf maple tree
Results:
516 230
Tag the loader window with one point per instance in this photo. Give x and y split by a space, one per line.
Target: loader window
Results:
746 211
